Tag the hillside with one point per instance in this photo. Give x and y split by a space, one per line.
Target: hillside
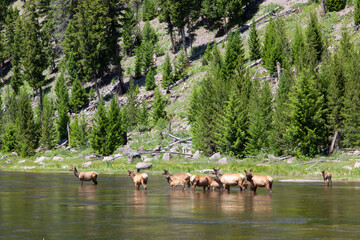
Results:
175 125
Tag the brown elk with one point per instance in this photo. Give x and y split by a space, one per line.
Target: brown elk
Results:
204 181
327 176
85 176
139 179
256 180
230 179
185 176
174 182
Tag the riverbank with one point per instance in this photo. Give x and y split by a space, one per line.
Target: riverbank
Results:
341 165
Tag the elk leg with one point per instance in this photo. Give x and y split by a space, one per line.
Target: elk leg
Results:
204 188
188 183
95 182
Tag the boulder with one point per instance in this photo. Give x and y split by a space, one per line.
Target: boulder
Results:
3 157
222 161
108 159
40 159
21 161
87 164
14 154
347 167
91 156
167 156
356 153
215 156
174 149
118 155
65 166
291 160
188 156
8 161
41 164
143 165
57 158
357 165
157 148
146 159
196 154
129 152
141 149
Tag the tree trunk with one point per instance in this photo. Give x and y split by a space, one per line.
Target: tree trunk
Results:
322 8
189 33
332 146
97 88
171 36
119 69
41 103
184 40
68 131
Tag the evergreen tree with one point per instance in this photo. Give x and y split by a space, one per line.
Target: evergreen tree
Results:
234 55
9 138
307 131
138 62
128 30
62 105
79 133
158 106
16 53
131 104
165 16
357 12
34 60
254 43
150 79
298 48
27 130
98 137
335 5
181 65
116 130
48 130
207 57
148 11
78 96
230 132
167 78
143 116
260 118
314 42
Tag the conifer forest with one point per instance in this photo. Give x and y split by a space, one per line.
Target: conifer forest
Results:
237 77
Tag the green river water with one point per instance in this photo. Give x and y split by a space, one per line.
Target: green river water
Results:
56 206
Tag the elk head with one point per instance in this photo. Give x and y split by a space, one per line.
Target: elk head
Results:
248 175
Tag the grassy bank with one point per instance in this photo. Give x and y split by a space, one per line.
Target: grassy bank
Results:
340 165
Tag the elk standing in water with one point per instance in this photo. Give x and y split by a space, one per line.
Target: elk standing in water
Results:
327 176
259 181
85 176
139 179
185 176
230 179
203 181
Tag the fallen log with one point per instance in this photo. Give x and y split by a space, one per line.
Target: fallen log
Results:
180 141
150 152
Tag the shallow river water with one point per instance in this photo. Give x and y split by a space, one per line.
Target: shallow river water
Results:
56 206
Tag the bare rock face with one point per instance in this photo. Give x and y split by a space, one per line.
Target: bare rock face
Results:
157 148
87 164
141 149
215 156
167 156
41 159
222 161
174 149
143 165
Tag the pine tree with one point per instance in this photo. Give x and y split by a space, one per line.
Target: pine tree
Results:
128 30
260 118
254 43
34 60
181 65
143 116
78 96
307 130
62 105
98 137
131 104
150 80
116 129
158 106
167 78
48 130
9 141
79 133
335 5
234 54
148 11
207 57
298 48
138 62
16 53
357 12
230 132
27 130
314 42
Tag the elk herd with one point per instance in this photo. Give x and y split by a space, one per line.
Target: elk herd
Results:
220 181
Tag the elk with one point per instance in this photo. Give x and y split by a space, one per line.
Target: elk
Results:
327 176
174 182
139 179
230 179
203 181
256 180
85 176
185 176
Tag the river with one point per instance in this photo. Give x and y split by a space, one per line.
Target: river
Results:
56 206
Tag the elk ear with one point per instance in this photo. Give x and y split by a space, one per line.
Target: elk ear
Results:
245 171
250 170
